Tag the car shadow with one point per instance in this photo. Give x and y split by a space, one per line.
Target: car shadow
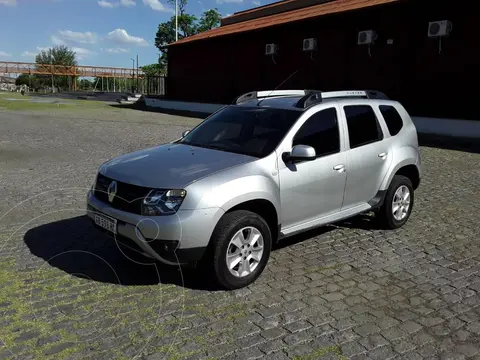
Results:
76 247
366 221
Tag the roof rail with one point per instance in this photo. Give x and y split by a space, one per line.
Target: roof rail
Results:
315 97
257 95
367 94
309 99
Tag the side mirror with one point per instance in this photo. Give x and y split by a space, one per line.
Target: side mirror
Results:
185 133
300 153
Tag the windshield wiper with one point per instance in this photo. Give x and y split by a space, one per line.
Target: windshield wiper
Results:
206 146
214 147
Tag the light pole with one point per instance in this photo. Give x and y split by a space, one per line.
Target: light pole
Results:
133 73
176 20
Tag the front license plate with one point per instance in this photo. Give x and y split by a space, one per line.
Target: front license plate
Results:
107 223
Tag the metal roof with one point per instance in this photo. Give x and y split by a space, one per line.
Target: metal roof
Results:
269 9
314 11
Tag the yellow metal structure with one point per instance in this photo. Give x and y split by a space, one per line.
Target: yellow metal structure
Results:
8 67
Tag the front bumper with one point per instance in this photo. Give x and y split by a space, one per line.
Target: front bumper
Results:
172 239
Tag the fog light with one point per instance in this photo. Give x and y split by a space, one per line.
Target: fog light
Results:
164 247
170 246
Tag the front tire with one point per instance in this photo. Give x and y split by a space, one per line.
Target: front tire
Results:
241 245
398 203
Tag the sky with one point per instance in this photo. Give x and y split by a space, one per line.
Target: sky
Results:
101 32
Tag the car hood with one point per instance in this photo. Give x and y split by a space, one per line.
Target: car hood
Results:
170 166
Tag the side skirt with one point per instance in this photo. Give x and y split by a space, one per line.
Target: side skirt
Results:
372 205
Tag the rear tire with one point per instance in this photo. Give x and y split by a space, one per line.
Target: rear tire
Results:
243 238
398 203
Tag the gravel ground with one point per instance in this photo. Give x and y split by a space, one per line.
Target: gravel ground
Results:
343 291
56 149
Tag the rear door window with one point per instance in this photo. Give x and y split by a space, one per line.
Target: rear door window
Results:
363 126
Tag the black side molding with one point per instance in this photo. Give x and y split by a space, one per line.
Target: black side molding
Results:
378 200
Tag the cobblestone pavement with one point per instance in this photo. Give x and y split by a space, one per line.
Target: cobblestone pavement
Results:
343 291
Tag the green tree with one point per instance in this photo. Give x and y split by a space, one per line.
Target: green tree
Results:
31 81
23 79
58 55
153 69
188 25
210 19
85 84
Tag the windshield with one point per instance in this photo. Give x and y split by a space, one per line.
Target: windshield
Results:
250 131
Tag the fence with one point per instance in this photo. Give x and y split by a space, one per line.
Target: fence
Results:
151 85
155 85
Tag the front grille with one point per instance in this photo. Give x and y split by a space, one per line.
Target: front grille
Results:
128 198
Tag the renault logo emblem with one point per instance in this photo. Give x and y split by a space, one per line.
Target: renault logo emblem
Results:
112 190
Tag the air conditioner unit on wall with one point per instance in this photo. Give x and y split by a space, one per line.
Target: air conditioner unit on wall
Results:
271 49
309 44
367 37
439 28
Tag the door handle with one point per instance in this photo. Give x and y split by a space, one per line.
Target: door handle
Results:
339 168
383 155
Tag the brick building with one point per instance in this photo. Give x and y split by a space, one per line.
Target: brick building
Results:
432 76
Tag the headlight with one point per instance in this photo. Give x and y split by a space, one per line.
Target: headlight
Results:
162 202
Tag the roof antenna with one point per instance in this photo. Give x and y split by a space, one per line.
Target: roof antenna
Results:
283 82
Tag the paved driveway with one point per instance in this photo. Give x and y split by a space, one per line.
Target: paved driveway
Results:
345 291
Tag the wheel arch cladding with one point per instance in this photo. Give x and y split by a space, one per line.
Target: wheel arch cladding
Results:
410 171
263 208
406 168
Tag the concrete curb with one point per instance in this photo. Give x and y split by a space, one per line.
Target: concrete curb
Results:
469 144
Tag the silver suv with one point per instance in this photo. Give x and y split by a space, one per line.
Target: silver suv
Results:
271 165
